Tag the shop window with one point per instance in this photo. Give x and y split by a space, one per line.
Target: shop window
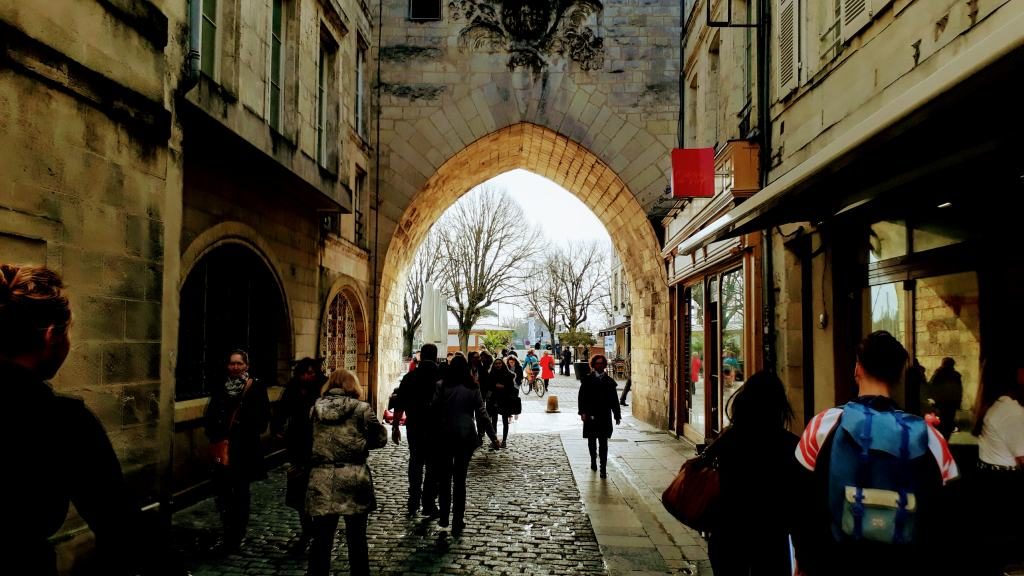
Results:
732 304
888 239
696 361
888 310
938 234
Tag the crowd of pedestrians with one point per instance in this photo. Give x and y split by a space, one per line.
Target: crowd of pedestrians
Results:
862 491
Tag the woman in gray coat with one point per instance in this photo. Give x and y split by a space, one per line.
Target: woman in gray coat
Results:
345 429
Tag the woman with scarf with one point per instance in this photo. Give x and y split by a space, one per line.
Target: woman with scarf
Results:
292 422
238 413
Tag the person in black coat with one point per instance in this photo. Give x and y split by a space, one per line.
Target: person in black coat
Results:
293 423
238 412
414 397
57 452
566 360
597 404
503 386
458 406
755 456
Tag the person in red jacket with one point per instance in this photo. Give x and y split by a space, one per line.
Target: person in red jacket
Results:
547 368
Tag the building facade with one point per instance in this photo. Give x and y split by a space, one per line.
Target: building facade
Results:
888 122
199 172
715 293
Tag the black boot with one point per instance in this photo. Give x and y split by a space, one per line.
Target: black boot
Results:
593 464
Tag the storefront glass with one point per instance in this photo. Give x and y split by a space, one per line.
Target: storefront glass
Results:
935 315
697 367
732 338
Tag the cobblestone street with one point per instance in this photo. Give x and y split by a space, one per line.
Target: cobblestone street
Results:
534 508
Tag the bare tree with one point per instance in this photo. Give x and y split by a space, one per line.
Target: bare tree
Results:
541 294
425 267
580 271
484 244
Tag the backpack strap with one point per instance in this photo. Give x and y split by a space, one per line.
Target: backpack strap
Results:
905 479
863 469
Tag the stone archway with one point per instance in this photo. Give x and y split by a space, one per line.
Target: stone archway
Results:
343 333
578 170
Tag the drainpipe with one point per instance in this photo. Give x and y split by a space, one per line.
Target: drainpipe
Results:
372 345
195 21
764 125
682 72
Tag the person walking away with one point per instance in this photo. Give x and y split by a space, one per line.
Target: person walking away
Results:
597 403
415 393
57 451
236 417
876 475
946 388
547 368
459 406
755 456
566 360
503 381
345 429
998 483
486 386
292 423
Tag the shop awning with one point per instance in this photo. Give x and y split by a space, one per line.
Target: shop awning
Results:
777 203
611 329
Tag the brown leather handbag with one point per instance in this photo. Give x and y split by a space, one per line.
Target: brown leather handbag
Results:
692 497
220 449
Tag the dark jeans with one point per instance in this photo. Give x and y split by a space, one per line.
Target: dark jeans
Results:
422 487
232 496
592 446
454 467
546 380
564 368
325 528
492 411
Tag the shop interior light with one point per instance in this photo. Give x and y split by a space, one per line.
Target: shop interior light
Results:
945 205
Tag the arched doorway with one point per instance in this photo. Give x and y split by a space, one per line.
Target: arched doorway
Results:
577 169
343 337
230 299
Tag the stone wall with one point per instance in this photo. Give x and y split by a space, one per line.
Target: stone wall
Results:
454 115
85 176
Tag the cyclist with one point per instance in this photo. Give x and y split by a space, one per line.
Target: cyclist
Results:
531 365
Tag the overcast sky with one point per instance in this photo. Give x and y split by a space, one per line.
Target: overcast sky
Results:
560 215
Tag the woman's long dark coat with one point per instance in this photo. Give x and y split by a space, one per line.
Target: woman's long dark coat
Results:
598 403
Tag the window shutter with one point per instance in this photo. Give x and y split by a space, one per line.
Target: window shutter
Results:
878 5
854 15
789 46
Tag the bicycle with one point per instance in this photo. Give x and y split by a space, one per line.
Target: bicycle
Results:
534 383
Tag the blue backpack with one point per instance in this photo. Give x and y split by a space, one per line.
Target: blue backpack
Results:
871 478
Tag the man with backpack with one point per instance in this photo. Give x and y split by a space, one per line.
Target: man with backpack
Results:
876 477
415 396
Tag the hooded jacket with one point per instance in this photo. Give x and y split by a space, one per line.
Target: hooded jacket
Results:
344 431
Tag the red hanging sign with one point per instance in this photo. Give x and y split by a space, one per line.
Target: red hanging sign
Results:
693 172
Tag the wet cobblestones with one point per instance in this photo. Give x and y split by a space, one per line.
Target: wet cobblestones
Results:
524 516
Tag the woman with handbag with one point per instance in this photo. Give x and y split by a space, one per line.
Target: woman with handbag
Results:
292 423
597 404
236 417
759 475
345 429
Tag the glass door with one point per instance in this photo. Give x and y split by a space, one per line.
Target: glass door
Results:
696 361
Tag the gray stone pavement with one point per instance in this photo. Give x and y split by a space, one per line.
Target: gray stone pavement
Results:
534 508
